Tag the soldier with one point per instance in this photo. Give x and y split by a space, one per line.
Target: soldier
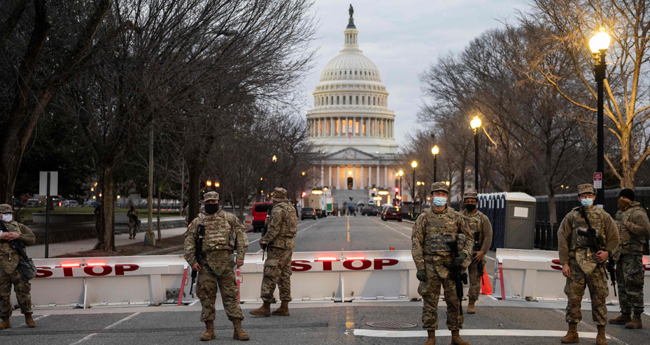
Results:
222 233
279 239
634 230
133 222
8 269
481 229
582 264
433 229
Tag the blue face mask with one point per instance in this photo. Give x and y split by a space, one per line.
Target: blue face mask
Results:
439 201
587 202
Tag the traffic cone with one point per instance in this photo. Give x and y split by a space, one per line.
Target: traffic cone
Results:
486 288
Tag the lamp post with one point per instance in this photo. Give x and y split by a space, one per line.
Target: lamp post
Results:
598 45
400 173
435 152
414 165
476 124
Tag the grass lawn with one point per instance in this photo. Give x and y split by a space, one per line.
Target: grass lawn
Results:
27 213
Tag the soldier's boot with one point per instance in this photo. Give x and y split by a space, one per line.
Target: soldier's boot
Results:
456 340
431 340
470 308
600 338
29 321
264 310
209 331
572 335
5 323
239 333
622 319
283 310
635 323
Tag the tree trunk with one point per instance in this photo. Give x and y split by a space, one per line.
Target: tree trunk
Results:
109 210
99 220
551 204
462 179
194 174
242 204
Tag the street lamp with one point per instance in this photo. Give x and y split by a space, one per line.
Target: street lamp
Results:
435 152
274 159
598 45
208 183
476 124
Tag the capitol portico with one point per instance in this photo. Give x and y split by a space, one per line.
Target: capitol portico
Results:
351 125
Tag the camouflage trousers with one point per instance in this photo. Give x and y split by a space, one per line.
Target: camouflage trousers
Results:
22 288
575 289
430 291
133 229
218 272
475 277
629 277
277 271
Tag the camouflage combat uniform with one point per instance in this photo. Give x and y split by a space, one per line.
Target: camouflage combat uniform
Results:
133 222
9 274
585 271
217 267
481 229
431 232
634 230
279 239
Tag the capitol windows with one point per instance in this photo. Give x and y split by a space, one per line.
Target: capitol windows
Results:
355 72
336 130
363 100
332 100
357 100
337 100
343 100
350 102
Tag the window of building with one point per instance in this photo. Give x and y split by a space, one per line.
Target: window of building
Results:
337 100
336 130
350 100
363 100
356 127
357 100
343 126
343 99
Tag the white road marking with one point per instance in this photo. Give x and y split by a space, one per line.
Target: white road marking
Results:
253 241
401 233
471 333
489 258
107 327
84 339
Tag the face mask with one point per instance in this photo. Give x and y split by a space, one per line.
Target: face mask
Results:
211 208
470 207
587 202
439 201
623 204
7 217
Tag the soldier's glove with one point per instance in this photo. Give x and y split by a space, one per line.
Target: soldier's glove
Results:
421 275
458 261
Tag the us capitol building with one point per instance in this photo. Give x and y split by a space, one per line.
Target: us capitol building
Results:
352 127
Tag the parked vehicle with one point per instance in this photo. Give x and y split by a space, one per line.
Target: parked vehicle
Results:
392 213
308 212
259 212
33 203
369 211
69 203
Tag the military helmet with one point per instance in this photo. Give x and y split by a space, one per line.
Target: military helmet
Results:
6 208
436 186
210 196
585 188
279 193
470 195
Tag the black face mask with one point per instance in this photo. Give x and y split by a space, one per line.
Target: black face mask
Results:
470 207
211 208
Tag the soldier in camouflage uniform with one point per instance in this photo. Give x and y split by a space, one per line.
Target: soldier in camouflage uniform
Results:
432 230
223 234
582 265
133 222
481 229
634 230
8 269
282 229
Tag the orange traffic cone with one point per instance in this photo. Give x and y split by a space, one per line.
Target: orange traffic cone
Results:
486 288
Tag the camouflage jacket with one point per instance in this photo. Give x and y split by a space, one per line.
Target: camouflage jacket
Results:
480 227
219 228
133 216
633 228
572 245
431 232
282 227
9 257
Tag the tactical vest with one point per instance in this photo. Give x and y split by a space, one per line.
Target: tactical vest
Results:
474 224
629 244
440 228
289 224
596 219
217 232
5 248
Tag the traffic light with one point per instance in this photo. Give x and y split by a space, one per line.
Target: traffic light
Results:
396 189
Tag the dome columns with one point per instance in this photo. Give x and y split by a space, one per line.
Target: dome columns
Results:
355 126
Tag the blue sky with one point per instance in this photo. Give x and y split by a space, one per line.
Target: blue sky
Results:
403 38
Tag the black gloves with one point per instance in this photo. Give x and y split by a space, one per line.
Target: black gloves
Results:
421 275
458 261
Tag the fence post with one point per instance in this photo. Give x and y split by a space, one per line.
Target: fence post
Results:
555 228
537 234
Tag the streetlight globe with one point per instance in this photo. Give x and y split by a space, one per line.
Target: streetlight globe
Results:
208 183
414 164
600 41
401 173
435 150
275 159
476 122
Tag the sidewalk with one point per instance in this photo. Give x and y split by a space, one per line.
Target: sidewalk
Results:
61 248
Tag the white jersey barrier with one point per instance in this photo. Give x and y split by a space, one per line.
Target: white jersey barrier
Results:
538 274
333 276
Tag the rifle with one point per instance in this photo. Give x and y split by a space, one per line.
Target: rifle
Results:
198 253
477 247
26 265
457 275
597 244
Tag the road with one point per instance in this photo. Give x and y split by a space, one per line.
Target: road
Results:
504 322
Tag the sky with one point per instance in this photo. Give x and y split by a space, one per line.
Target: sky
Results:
403 38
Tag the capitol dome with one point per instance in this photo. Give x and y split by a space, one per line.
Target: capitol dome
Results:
351 104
